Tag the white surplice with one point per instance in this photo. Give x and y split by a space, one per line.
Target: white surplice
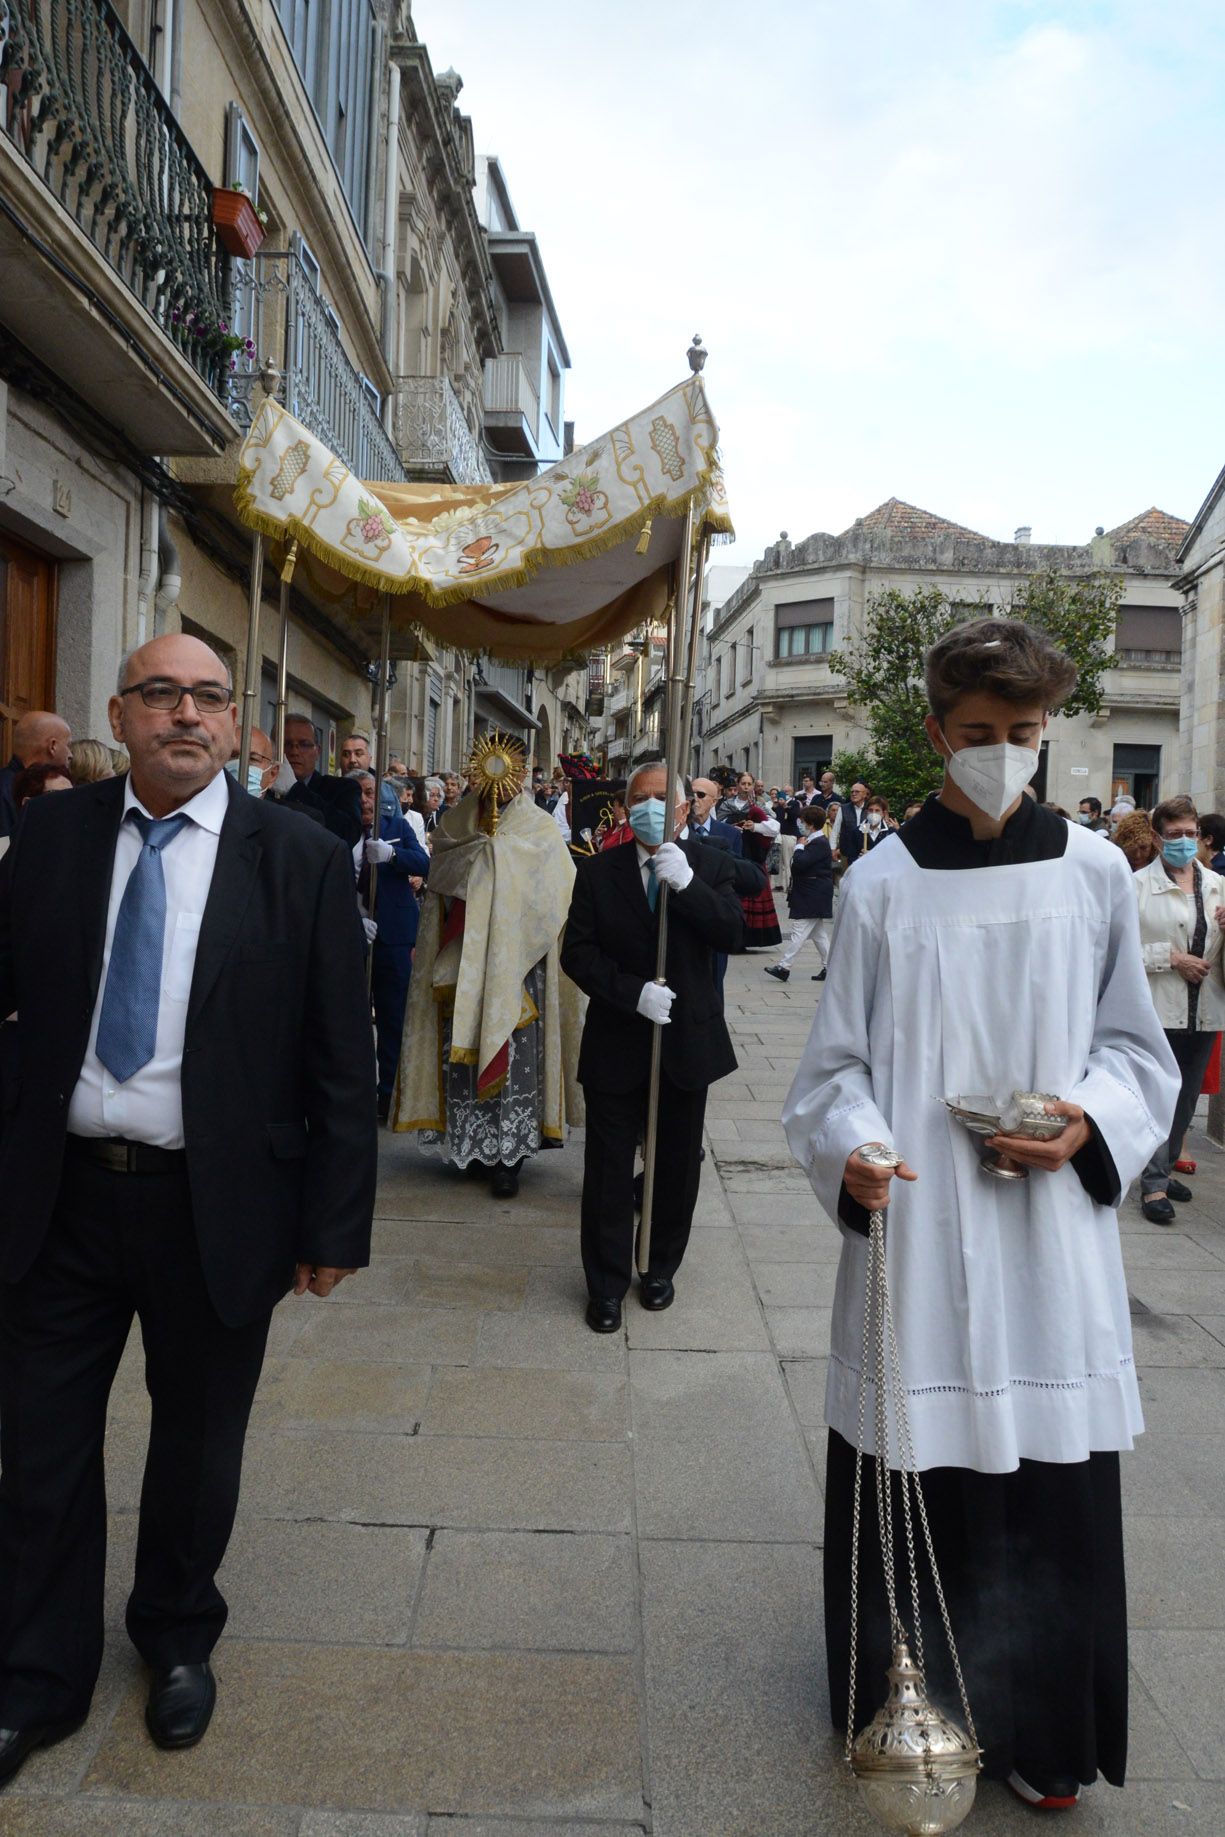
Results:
1009 1296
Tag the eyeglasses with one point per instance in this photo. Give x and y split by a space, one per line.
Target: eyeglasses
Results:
155 692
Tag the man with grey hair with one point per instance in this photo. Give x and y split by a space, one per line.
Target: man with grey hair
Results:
39 738
609 950
335 800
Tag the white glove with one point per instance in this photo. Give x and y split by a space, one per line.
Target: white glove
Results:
378 852
672 867
655 1003
371 930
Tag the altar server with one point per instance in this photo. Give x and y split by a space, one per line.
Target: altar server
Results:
992 947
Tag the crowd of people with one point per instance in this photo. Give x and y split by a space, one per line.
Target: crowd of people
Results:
472 961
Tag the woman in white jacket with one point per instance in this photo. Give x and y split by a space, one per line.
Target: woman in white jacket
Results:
1182 912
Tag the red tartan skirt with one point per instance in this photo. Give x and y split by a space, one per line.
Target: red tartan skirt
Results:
760 918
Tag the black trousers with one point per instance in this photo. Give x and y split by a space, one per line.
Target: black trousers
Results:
1192 1051
616 1123
118 1245
389 980
1032 1567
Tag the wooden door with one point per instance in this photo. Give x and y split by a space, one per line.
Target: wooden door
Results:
27 636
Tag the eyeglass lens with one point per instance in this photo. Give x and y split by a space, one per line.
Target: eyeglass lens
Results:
210 698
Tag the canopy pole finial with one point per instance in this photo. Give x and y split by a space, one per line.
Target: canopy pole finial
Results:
697 354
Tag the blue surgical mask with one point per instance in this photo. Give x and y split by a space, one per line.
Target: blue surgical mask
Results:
1179 851
255 780
647 821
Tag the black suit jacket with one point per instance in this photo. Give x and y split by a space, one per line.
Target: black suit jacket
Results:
811 893
278 1075
609 947
337 800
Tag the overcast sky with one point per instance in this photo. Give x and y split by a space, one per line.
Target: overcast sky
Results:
962 252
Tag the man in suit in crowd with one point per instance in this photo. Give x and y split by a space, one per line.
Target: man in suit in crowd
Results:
844 834
152 927
402 866
336 799
609 950
39 738
355 754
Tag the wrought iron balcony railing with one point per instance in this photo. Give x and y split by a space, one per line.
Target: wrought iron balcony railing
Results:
277 305
79 103
432 434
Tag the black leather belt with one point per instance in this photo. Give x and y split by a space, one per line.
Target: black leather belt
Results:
123 1157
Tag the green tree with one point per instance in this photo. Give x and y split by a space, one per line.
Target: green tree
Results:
883 667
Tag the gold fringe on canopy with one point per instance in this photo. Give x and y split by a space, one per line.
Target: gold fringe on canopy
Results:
481 567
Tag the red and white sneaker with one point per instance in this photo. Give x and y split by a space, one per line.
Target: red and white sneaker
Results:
1054 1795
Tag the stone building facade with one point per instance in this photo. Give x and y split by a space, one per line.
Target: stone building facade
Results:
1201 581
373 294
768 700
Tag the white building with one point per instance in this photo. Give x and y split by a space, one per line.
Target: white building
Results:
769 701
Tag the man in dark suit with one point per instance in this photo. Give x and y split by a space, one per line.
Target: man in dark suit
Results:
152 927
402 866
336 799
609 950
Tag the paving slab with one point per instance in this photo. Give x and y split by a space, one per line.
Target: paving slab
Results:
509 1401
716 1308
277 1574
400 1335
1178 1669
1173 1339
437 1480
341 1396
799 1333
88 1816
364 1824
357 1728
736 1698
540 1590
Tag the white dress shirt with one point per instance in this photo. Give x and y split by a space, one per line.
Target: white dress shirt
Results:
149 1107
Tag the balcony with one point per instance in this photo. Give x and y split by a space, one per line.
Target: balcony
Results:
512 407
278 306
501 696
108 255
434 439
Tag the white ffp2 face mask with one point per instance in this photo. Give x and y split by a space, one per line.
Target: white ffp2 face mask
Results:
992 777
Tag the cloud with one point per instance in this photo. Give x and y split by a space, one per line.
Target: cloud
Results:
963 251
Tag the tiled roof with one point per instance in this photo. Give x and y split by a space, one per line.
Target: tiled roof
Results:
1157 525
900 519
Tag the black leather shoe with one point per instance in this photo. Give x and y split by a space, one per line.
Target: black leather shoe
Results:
1158 1210
820 978
504 1181
180 1705
1176 1190
16 1745
384 1106
779 974
603 1316
656 1293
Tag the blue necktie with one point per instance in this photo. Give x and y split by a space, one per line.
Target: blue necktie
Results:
652 884
127 1027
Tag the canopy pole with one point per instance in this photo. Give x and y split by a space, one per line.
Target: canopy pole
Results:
674 742
691 667
380 766
282 663
251 681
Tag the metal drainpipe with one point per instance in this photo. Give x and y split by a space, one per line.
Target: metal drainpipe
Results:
170 580
147 581
391 202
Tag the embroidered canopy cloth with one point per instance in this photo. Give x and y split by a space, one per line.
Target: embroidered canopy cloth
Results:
537 569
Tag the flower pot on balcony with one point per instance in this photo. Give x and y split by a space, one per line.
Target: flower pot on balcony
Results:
236 223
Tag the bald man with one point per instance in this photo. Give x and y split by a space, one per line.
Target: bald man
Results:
39 738
151 927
